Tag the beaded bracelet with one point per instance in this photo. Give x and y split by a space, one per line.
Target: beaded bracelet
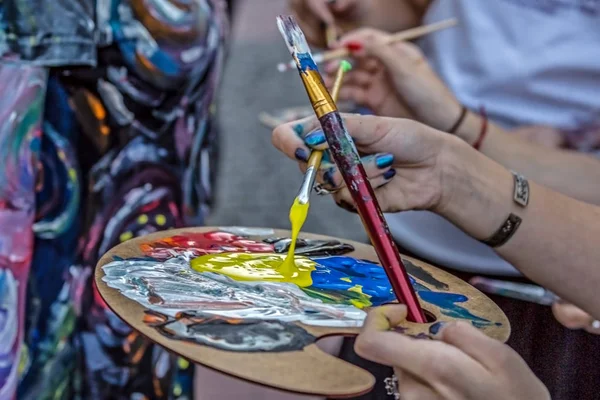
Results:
484 126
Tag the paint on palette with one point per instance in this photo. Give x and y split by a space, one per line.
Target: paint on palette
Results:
447 302
221 274
311 247
194 244
244 231
248 335
257 267
419 273
171 286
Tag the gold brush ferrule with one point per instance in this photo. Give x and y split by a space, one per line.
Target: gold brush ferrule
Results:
319 97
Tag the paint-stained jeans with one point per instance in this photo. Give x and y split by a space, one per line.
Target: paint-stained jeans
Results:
49 33
123 145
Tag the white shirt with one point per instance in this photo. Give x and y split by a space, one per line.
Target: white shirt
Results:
528 62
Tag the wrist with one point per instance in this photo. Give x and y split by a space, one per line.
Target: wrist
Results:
470 128
476 192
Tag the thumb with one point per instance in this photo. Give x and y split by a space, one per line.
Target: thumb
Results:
570 316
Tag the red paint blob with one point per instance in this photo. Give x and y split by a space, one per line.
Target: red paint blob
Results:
196 244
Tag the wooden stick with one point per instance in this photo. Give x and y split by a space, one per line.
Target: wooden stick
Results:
408 34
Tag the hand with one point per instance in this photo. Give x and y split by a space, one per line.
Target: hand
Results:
543 135
398 74
347 15
575 318
462 363
402 159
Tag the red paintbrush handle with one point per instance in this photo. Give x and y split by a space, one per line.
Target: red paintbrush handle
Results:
347 159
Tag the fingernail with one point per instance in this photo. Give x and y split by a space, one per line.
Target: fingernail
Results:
353 46
315 138
384 160
346 206
301 154
328 177
436 328
389 174
299 129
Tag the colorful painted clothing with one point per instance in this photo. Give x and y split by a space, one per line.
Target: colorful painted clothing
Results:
109 133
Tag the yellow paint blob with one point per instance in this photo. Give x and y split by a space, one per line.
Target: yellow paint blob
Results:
255 267
298 213
142 219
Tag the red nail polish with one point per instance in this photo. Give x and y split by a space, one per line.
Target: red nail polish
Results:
354 46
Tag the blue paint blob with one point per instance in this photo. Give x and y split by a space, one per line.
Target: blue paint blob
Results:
306 62
299 129
447 303
343 273
435 328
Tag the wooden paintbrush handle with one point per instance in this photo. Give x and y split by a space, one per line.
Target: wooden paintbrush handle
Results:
408 34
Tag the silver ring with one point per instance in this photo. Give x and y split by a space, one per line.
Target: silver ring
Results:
595 324
321 191
391 386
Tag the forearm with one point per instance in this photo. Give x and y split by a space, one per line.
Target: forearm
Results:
571 173
555 244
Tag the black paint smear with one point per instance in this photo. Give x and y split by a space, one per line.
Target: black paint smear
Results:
422 275
251 335
311 247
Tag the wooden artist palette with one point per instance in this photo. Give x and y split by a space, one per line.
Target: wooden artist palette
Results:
148 282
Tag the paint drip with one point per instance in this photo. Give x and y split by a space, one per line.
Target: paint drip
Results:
298 214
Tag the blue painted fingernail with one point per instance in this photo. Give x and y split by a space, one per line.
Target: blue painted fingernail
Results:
389 174
299 129
328 177
435 328
384 160
315 138
301 154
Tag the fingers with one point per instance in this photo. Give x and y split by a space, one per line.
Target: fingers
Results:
486 351
370 133
436 362
573 317
288 138
413 388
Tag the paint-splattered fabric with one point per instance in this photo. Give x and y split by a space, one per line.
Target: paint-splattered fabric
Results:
108 133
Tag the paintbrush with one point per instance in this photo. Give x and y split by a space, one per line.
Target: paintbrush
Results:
408 34
519 291
314 161
348 161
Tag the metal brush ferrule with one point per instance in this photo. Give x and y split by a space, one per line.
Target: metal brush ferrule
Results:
319 96
307 184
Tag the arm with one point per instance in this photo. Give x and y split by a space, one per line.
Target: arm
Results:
574 174
556 242
405 85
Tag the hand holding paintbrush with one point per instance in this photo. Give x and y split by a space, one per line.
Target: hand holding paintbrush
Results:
346 157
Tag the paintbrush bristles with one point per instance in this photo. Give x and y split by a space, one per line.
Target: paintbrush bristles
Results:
293 36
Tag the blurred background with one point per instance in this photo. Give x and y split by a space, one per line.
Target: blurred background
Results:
257 184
